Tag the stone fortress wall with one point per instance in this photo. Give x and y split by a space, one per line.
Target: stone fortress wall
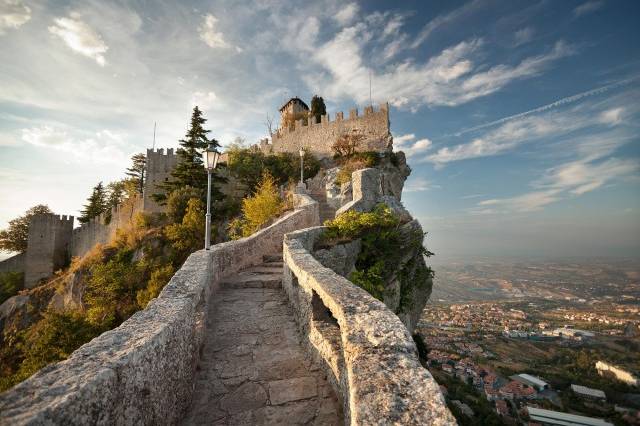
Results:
319 137
48 246
99 231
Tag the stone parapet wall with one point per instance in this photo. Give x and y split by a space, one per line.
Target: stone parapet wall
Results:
142 372
318 138
13 264
368 354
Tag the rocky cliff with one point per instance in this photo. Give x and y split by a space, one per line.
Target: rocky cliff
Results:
408 288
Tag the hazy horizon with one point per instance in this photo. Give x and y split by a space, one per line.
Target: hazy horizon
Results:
519 119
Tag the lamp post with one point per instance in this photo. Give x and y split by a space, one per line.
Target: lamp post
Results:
301 166
210 157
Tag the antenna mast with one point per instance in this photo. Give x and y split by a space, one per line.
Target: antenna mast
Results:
154 135
370 99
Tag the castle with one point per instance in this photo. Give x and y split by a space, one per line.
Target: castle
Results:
52 241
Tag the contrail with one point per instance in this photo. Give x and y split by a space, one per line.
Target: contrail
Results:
554 104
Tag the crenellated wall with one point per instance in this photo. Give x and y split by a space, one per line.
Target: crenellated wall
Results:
158 170
320 137
47 247
98 231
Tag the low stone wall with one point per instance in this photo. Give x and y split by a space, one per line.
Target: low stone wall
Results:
14 263
142 372
368 354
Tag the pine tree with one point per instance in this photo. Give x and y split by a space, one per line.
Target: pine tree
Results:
115 196
190 169
136 171
318 107
97 203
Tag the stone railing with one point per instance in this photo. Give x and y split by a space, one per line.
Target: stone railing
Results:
368 354
142 372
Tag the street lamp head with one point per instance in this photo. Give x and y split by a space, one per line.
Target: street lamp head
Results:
301 152
210 157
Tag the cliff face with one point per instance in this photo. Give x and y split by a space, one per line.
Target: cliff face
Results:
408 288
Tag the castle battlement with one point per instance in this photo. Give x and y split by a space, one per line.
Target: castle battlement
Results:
319 137
160 151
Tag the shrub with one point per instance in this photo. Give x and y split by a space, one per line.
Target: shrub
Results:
52 339
188 236
382 249
178 201
347 144
10 284
260 208
159 278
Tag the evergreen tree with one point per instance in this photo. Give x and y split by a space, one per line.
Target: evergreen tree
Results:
97 203
190 170
318 107
115 195
137 169
15 237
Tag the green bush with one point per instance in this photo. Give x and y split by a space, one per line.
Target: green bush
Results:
248 166
178 201
381 251
159 278
188 236
355 161
259 209
10 284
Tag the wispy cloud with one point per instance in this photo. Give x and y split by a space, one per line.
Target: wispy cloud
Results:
101 147
523 36
419 184
441 21
554 104
13 14
588 7
410 146
210 34
80 37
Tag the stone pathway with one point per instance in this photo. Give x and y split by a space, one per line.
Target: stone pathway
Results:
254 369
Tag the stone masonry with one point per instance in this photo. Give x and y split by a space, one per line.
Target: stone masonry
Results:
48 246
318 138
254 369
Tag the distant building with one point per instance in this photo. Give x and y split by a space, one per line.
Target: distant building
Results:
548 417
617 372
292 108
532 381
572 333
502 408
588 393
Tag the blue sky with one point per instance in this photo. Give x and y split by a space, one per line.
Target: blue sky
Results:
520 119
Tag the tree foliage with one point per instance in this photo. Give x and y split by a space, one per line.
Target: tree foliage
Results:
190 169
258 209
10 283
318 108
248 166
188 236
137 171
347 144
15 237
96 204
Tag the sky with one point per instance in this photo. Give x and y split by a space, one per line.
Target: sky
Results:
519 118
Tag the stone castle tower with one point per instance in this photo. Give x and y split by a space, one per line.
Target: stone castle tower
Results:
159 167
294 107
48 246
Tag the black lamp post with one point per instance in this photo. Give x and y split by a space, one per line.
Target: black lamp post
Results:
210 157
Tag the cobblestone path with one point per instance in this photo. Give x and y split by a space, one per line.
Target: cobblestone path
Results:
254 369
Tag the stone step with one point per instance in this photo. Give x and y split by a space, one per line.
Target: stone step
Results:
254 280
272 258
265 268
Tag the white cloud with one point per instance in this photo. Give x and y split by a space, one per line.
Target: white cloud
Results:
531 201
445 19
13 14
410 147
209 33
204 100
347 13
612 116
80 37
588 7
523 36
418 184
103 146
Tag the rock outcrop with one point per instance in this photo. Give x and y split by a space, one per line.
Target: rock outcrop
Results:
409 287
